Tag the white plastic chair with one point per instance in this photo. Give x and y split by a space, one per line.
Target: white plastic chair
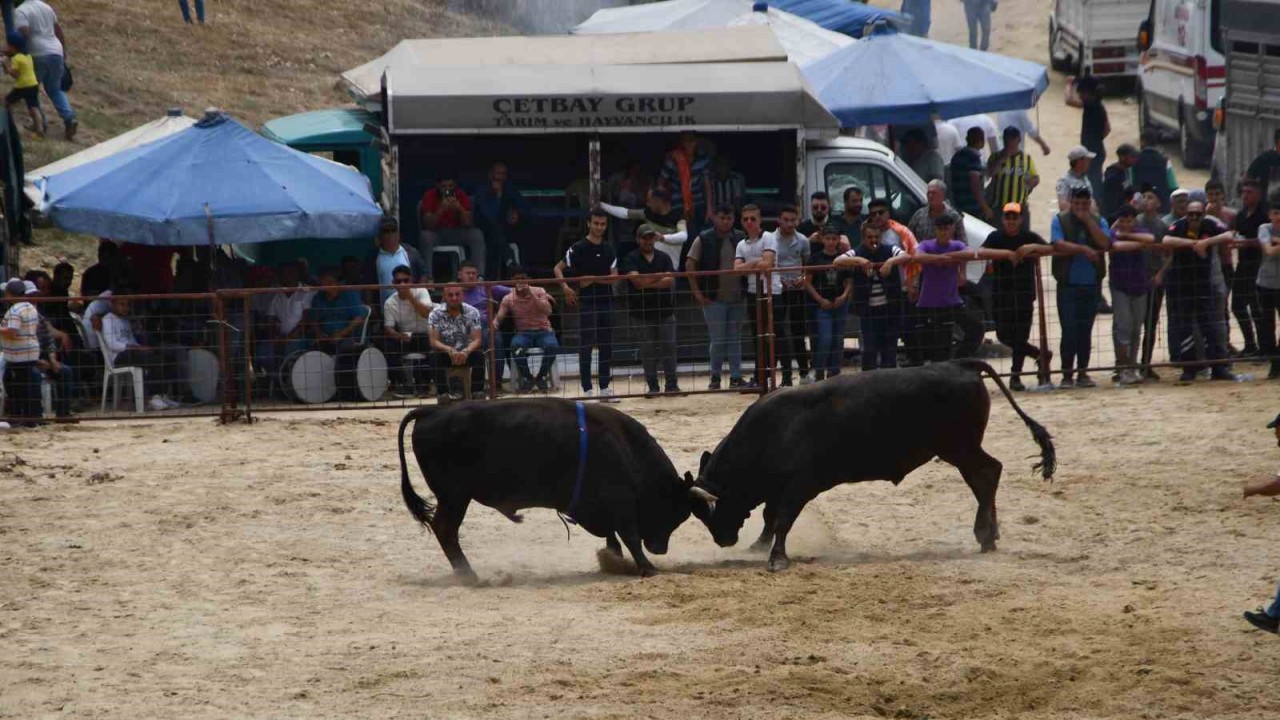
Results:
364 328
110 373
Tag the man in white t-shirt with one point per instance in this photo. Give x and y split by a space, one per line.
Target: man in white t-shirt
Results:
1022 120
285 333
404 317
38 23
949 139
759 252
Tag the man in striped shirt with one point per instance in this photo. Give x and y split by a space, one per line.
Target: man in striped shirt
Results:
684 175
20 342
1013 174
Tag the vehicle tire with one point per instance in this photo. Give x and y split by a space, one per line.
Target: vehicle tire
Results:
1144 112
1196 154
1060 63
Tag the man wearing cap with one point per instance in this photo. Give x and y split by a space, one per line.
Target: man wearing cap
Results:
1014 289
1268 619
1076 177
1189 288
21 346
1013 174
1115 179
651 306
1079 234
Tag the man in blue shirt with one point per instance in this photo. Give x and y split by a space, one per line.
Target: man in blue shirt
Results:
336 315
1080 234
391 254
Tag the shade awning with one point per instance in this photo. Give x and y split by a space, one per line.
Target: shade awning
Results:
604 98
742 44
840 16
322 128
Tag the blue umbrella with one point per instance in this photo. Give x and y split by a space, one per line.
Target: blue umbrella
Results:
850 18
216 179
896 78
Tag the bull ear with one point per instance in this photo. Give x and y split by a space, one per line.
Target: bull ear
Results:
702 462
706 497
688 478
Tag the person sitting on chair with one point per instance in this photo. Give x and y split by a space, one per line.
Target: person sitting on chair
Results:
336 315
447 219
404 317
455 338
532 308
159 366
284 332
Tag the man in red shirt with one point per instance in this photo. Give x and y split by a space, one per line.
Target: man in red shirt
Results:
447 220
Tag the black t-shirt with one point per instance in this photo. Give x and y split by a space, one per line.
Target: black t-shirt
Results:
1093 124
1247 225
809 227
95 281
586 259
1007 277
1189 273
828 283
1266 169
650 302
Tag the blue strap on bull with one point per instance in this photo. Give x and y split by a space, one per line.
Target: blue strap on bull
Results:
582 463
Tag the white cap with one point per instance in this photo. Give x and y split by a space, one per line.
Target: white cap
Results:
1080 152
1179 193
30 287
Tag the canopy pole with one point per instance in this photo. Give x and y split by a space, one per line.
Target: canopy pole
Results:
593 162
213 248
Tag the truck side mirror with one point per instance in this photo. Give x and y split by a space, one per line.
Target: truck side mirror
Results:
1144 36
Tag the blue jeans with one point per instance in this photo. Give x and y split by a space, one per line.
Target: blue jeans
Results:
920 11
830 350
186 11
977 13
881 327
542 339
724 326
1077 309
595 329
6 7
49 69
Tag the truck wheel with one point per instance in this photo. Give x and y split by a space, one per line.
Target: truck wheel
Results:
1196 154
1144 112
1061 63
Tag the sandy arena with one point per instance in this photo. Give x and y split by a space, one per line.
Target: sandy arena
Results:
191 570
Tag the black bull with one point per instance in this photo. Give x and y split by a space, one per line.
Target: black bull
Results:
524 453
791 446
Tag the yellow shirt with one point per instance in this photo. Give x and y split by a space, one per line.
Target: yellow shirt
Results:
26 71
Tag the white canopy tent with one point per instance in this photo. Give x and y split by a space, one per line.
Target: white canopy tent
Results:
738 44
604 98
803 40
171 123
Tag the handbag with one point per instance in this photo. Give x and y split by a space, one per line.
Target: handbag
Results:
67 79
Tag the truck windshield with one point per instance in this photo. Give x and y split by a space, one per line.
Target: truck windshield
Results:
1215 25
875 181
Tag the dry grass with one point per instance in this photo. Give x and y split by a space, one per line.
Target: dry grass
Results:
256 59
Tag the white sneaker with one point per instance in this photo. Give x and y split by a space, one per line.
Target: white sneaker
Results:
806 379
157 403
588 393
173 404
4 425
606 395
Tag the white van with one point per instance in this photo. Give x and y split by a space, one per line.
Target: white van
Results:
1183 73
1095 37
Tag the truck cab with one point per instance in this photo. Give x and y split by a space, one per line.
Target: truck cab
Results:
1095 37
1183 73
838 163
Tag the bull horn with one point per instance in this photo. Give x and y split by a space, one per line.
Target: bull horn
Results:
703 495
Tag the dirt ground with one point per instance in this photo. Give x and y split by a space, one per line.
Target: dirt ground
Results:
185 569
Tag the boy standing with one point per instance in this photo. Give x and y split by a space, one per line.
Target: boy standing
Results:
19 65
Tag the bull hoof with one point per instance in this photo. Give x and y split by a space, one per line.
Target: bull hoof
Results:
467 577
989 546
778 564
648 572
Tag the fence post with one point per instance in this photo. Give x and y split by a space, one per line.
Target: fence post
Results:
771 334
492 368
246 335
1043 370
228 413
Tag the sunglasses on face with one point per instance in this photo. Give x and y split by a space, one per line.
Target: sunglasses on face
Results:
750 219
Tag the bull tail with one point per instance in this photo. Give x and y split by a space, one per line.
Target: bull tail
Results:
1048 455
422 510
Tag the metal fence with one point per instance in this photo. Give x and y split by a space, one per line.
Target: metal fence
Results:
234 353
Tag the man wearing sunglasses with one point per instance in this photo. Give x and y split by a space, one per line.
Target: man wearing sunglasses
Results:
404 317
1189 291
819 216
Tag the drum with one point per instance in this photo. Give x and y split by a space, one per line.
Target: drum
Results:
307 376
203 370
362 373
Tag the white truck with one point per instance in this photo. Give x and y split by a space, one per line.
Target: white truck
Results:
1096 37
1250 112
1183 74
